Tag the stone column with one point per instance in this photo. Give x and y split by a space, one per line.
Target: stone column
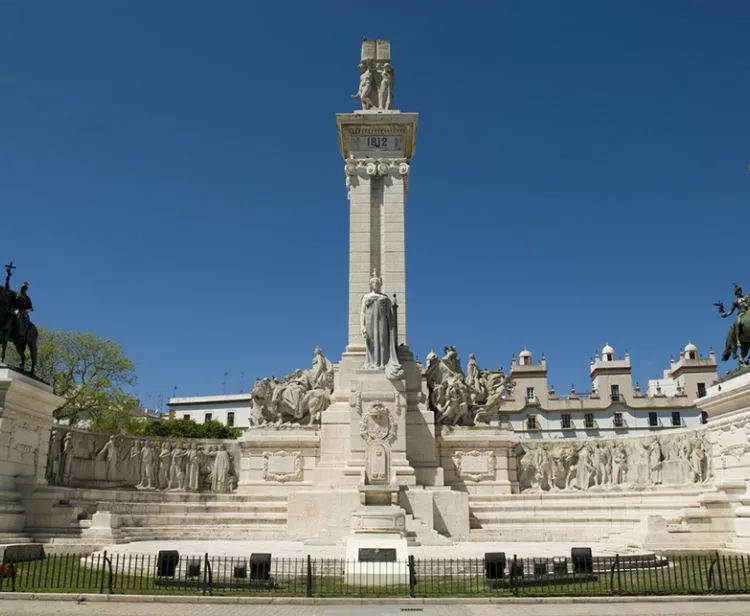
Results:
393 249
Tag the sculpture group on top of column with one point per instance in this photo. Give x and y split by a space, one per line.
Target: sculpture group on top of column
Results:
619 463
375 89
75 459
299 398
464 399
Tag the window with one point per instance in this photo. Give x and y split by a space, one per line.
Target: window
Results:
704 417
676 418
186 417
230 419
617 420
565 421
653 419
691 354
208 417
615 390
531 422
588 420
530 394
701 390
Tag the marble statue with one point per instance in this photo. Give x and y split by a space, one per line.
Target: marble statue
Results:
15 325
165 460
299 398
366 89
67 459
463 399
221 475
176 473
147 467
135 464
385 87
109 453
193 468
378 326
737 344
54 456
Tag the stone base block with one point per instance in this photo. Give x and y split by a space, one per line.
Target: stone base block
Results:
392 570
379 519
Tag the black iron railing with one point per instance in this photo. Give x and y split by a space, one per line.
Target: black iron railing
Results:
260 574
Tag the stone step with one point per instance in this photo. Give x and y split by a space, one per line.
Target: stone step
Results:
591 497
146 520
176 533
192 508
162 496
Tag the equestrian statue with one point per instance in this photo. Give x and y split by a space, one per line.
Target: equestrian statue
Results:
15 325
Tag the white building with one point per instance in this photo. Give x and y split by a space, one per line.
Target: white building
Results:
614 405
231 410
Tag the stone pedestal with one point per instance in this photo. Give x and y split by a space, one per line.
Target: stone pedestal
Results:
728 407
26 406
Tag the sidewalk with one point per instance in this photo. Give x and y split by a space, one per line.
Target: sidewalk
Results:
131 605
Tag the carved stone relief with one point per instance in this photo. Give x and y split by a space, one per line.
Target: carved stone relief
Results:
376 424
282 466
613 464
475 465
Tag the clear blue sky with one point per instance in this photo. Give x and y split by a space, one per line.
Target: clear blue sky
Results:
171 174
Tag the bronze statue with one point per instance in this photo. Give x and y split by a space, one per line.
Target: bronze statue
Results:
15 325
738 337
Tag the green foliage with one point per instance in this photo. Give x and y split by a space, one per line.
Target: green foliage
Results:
186 428
89 372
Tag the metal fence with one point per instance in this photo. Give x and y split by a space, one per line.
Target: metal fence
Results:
261 575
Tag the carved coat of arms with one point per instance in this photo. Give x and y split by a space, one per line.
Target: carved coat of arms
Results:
376 425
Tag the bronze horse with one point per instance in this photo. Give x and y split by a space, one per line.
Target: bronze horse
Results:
12 329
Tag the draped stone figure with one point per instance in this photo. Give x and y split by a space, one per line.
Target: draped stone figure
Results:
109 453
193 468
53 458
221 475
147 467
165 459
378 324
67 459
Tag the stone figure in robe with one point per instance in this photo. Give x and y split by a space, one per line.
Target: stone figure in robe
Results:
193 468
378 326
385 88
221 474
53 458
176 473
147 467
109 453
67 459
366 87
165 459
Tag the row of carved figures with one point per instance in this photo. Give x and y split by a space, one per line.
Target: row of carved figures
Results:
144 464
606 464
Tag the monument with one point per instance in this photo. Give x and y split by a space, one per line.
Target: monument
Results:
376 454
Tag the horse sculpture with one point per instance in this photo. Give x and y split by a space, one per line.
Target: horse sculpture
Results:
738 340
291 406
23 335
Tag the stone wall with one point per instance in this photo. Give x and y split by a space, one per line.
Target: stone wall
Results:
80 458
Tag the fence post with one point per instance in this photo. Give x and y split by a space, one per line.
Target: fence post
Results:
615 567
412 577
309 588
208 575
513 586
101 574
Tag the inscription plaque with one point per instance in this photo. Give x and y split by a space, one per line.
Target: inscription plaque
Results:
377 555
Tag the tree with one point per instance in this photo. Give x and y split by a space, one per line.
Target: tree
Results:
186 428
88 372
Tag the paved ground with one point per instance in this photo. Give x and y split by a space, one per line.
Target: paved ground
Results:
297 549
91 608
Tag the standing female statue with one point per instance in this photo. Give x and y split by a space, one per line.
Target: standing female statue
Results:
378 323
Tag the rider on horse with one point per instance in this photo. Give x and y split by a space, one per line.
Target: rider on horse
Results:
740 303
